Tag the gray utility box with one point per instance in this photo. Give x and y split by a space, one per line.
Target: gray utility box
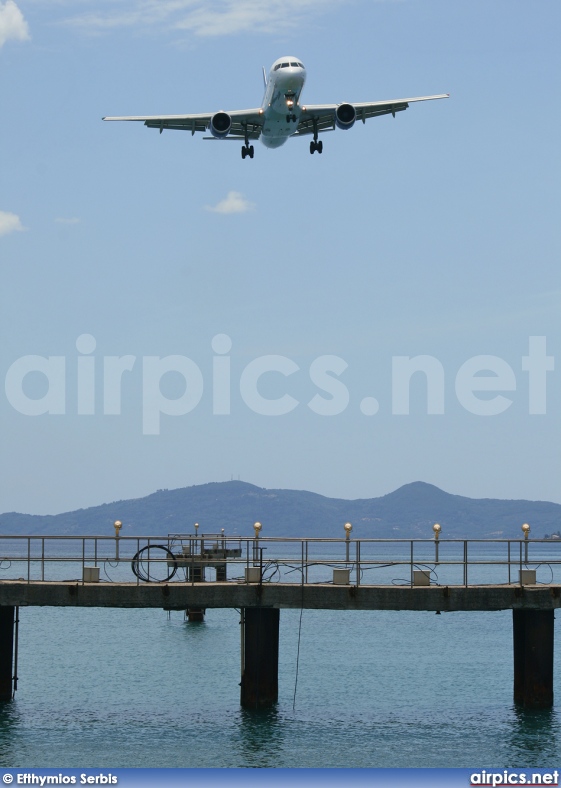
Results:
91 574
252 574
527 577
341 577
421 577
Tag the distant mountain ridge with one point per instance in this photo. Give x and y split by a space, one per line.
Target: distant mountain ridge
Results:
408 512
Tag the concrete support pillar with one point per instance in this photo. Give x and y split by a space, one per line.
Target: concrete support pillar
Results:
260 657
6 652
533 657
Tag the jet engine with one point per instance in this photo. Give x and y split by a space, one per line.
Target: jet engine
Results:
220 125
345 116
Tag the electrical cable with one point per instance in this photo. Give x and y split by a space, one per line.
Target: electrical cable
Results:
537 566
298 649
142 574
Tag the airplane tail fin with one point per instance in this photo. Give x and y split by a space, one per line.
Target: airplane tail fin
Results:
264 76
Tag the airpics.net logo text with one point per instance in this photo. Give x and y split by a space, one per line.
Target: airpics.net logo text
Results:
481 383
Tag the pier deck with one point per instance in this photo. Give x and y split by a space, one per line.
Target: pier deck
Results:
314 596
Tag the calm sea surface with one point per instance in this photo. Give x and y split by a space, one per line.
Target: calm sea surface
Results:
139 688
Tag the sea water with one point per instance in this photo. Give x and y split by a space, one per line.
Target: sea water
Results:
144 688
132 688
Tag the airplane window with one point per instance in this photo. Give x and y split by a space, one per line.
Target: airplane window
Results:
295 65
276 68
301 65
285 65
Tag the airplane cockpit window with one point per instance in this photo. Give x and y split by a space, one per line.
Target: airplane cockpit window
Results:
288 65
301 65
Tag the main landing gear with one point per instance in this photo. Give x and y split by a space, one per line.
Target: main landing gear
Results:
247 149
316 145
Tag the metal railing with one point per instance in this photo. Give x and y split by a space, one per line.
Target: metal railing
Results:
192 558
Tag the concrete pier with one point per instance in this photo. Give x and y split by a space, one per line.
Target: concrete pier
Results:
533 619
533 658
260 657
6 651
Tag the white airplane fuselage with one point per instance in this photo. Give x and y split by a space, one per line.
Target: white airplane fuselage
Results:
280 107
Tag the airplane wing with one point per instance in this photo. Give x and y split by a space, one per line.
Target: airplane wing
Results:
322 116
250 118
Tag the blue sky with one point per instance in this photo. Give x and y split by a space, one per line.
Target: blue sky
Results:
434 235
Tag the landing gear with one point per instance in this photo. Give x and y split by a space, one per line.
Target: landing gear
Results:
316 145
247 149
290 118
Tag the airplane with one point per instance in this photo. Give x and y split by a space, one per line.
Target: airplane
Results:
280 115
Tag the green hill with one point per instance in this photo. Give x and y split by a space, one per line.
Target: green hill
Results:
408 512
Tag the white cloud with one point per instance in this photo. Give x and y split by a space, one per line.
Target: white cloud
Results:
70 220
9 223
204 17
12 24
234 202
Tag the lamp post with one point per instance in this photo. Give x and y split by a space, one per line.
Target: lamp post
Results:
257 528
117 525
436 528
348 528
526 530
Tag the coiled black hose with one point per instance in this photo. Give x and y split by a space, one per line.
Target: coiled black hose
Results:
137 564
